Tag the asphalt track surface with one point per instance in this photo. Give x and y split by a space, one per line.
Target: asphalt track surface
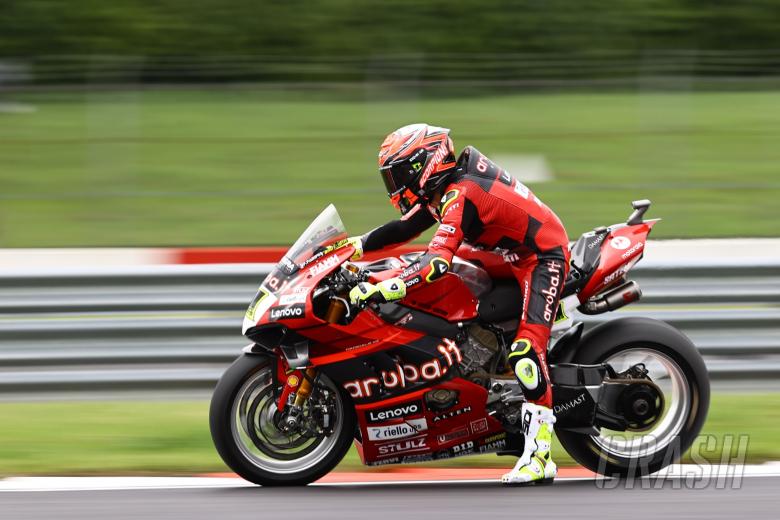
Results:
757 497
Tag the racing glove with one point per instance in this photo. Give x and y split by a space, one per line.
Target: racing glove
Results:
385 291
357 243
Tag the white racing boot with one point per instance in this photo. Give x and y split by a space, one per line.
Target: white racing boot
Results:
535 466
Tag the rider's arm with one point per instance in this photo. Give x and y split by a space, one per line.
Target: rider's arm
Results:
435 263
398 232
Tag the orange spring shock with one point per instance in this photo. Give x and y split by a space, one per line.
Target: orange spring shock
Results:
304 391
336 310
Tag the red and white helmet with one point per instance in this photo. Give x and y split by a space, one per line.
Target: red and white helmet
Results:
414 161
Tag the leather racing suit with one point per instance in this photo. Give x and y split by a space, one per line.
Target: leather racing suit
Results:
486 207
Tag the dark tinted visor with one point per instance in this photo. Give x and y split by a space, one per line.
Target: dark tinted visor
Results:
396 176
401 174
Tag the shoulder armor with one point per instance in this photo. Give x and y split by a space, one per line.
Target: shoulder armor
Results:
447 199
475 166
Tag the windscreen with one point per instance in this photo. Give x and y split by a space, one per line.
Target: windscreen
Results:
325 230
321 237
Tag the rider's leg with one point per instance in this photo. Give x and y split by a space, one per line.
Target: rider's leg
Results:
541 282
535 465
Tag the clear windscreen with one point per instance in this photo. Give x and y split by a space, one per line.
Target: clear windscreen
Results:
324 231
323 235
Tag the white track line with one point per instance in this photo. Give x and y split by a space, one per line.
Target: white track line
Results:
42 484
116 483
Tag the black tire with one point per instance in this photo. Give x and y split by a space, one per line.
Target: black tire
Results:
221 421
622 334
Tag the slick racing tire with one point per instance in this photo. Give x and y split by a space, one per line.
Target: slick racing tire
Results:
675 366
243 418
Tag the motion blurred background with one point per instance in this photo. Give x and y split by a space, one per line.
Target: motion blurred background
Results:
234 122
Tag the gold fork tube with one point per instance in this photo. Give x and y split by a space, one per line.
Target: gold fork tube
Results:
304 390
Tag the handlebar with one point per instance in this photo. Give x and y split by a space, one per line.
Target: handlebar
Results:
340 307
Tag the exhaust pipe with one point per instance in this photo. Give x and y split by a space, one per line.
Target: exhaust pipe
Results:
627 293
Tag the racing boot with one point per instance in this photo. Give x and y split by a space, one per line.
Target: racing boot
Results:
535 466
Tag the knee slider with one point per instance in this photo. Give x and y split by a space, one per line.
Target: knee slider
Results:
527 373
527 369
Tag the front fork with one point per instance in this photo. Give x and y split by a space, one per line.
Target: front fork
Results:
300 384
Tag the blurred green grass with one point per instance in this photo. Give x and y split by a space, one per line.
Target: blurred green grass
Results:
173 437
253 166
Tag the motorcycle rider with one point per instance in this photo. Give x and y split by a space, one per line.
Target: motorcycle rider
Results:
476 202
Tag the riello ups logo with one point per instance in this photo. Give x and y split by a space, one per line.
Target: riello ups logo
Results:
396 431
406 374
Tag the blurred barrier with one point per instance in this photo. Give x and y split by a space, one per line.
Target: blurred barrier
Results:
178 327
532 70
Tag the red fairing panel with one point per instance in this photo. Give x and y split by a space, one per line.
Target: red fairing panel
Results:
619 252
448 297
367 334
498 266
405 429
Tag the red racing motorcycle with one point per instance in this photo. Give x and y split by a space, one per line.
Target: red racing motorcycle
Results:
427 378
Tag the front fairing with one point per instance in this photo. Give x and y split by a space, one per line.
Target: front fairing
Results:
285 294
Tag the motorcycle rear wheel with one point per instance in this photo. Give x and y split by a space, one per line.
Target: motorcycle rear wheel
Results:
245 434
685 384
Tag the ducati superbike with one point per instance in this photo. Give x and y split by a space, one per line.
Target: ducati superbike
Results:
427 377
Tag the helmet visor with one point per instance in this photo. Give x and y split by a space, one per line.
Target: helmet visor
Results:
403 173
396 176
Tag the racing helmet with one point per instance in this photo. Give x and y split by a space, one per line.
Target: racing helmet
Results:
414 161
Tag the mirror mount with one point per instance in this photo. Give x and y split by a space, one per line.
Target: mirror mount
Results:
640 208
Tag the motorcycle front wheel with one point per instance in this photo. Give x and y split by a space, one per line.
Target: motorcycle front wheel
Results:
244 423
675 367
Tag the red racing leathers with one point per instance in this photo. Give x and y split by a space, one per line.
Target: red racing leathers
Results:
486 207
